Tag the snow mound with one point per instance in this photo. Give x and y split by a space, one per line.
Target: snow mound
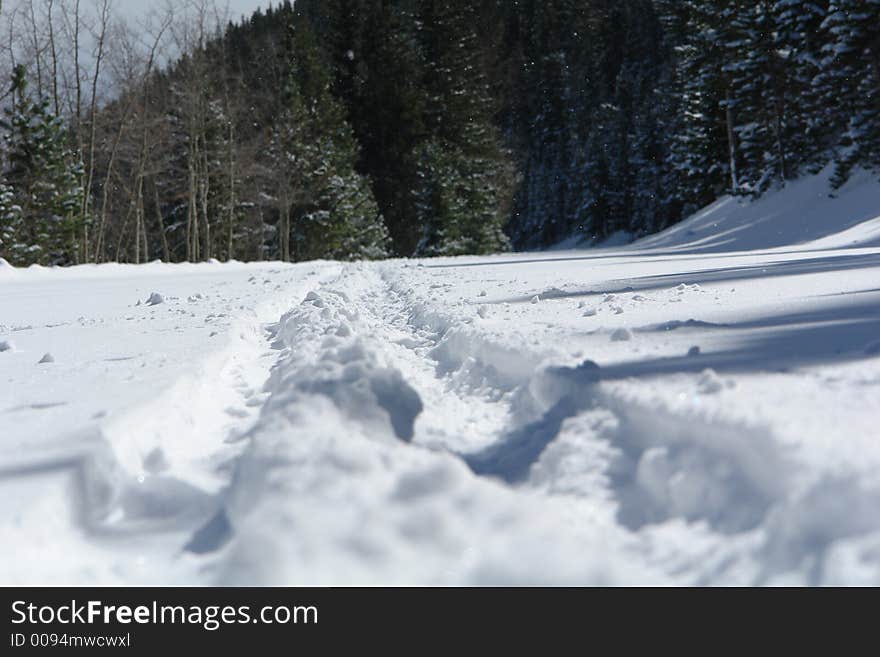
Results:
345 371
6 270
155 299
47 358
805 211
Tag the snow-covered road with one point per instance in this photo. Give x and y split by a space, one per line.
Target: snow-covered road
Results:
648 415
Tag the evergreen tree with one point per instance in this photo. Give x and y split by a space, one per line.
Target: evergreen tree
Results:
852 77
799 40
42 216
326 208
647 75
703 150
12 246
464 172
548 203
758 82
387 112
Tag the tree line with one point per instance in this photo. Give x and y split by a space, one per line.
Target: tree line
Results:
368 128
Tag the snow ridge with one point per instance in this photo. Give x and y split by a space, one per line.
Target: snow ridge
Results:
330 466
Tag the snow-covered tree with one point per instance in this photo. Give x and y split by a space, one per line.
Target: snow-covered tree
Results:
758 94
12 248
42 182
325 208
851 80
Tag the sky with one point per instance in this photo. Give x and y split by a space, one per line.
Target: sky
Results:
129 10
137 8
237 8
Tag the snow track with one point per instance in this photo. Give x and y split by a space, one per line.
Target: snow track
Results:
566 433
407 438
347 480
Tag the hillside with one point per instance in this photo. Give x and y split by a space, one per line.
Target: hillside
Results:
350 129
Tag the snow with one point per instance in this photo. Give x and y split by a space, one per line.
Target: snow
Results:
807 211
696 408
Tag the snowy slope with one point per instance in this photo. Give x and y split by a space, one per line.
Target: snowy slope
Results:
692 409
808 211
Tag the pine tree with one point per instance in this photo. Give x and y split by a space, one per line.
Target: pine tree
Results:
799 40
548 204
380 81
758 82
646 75
43 216
703 150
326 208
852 76
12 248
464 172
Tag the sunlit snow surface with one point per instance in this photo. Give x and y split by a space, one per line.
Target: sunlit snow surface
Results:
675 411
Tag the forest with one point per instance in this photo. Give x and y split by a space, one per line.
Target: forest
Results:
365 129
